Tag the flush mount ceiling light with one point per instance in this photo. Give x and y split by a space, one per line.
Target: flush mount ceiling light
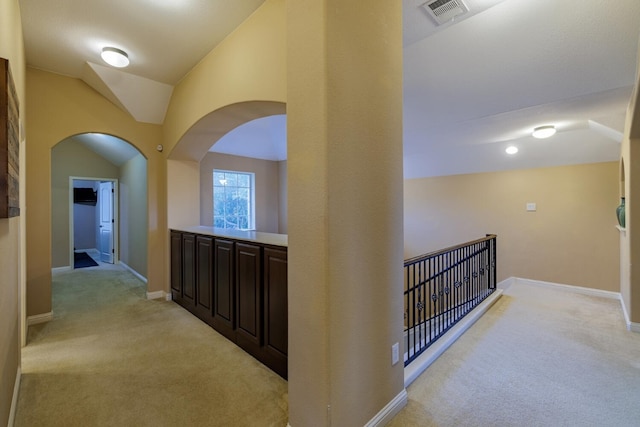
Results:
544 131
511 149
115 57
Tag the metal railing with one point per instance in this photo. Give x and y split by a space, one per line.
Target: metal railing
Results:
442 287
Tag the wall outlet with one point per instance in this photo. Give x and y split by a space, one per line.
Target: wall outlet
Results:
395 353
531 207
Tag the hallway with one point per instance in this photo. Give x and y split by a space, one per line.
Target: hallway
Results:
112 358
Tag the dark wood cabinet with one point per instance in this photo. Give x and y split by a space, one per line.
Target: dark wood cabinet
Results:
204 278
176 265
237 287
276 338
188 269
248 297
224 288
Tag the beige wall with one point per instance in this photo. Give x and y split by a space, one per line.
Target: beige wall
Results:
570 239
249 65
133 214
283 218
344 161
629 243
60 107
12 230
266 192
70 158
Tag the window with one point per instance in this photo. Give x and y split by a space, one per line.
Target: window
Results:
233 200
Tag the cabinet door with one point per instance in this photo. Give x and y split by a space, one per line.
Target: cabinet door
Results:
204 277
188 269
275 310
224 288
249 298
176 265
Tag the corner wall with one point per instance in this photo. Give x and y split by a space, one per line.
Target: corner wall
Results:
133 214
571 238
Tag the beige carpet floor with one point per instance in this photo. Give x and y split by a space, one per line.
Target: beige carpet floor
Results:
539 357
112 358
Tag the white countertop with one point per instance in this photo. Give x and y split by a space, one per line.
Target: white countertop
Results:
249 236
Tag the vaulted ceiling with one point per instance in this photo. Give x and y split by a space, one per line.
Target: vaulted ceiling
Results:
472 86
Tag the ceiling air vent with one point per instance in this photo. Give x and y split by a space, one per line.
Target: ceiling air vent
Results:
443 11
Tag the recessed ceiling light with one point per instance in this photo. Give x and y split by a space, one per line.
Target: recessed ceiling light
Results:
511 149
544 131
115 57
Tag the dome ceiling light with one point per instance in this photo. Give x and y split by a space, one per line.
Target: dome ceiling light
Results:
115 57
512 149
544 131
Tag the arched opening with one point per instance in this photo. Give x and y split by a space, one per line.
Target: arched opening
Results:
91 162
234 137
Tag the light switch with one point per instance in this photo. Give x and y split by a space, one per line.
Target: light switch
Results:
531 207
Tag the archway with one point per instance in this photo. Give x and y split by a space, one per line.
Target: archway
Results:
187 183
100 157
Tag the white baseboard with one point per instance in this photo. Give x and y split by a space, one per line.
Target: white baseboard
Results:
631 326
389 411
39 318
570 288
60 269
135 273
422 362
159 295
14 399
506 283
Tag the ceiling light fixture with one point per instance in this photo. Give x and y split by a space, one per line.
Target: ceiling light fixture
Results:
511 149
544 131
115 57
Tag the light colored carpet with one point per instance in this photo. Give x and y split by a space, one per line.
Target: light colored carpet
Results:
539 357
112 358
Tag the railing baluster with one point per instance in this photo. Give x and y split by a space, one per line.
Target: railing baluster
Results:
444 286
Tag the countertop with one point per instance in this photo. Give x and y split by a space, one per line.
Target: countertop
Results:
249 236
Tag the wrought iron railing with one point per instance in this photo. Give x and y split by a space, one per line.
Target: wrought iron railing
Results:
442 287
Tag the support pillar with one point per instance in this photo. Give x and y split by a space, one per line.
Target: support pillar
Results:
345 199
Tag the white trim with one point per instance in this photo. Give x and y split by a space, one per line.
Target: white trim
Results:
390 410
135 273
39 318
506 283
576 289
61 269
631 326
158 295
422 362
14 399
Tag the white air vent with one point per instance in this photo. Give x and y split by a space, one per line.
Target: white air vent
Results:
443 11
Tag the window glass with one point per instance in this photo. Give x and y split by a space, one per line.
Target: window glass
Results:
233 200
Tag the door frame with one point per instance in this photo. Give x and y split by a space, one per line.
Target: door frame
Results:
116 218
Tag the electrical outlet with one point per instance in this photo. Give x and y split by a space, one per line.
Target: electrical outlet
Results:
531 207
395 353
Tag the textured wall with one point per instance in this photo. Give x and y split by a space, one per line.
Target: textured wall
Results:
12 230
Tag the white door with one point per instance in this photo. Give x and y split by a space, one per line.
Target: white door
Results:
105 203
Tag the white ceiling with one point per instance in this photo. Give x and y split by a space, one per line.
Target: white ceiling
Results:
471 86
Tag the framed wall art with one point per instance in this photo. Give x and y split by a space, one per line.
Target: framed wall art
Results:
9 144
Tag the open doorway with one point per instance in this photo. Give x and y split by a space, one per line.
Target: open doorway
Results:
93 221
